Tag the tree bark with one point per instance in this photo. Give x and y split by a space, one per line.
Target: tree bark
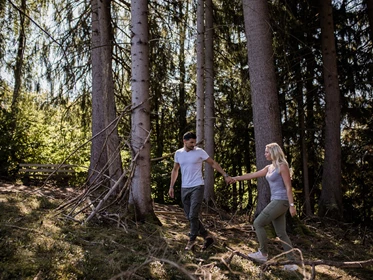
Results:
312 102
266 112
182 112
200 71
209 101
98 151
140 195
303 141
303 144
330 203
112 140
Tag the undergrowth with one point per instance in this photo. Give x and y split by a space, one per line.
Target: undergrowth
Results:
35 243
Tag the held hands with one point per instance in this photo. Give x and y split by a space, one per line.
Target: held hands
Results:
229 180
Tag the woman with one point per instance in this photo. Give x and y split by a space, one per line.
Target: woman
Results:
278 177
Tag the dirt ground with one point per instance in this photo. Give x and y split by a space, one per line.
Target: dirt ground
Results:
42 189
317 239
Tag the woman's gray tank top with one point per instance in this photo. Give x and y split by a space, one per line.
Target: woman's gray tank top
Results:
276 184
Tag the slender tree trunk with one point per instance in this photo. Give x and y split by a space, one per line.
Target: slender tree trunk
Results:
19 63
112 140
266 112
330 203
98 150
302 127
182 106
209 102
140 123
200 70
303 144
9 153
311 143
160 137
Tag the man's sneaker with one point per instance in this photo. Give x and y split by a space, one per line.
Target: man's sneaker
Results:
258 256
208 241
190 244
291 267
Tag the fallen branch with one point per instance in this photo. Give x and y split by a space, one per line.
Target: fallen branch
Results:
354 264
312 263
130 273
27 229
171 213
108 194
114 188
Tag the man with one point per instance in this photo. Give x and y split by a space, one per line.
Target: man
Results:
190 159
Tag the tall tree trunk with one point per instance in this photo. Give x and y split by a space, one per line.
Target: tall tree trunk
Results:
311 144
312 102
98 151
182 106
302 126
140 195
160 135
19 63
200 70
209 101
112 137
330 203
303 145
266 112
9 153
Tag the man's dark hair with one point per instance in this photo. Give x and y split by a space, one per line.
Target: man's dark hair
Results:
189 135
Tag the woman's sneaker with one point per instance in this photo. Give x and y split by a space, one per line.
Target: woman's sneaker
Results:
258 256
291 267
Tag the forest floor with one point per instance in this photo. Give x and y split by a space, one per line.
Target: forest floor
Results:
37 243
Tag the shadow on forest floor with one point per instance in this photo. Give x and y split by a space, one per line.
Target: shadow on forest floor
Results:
35 243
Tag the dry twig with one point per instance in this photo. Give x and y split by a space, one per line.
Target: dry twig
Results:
312 263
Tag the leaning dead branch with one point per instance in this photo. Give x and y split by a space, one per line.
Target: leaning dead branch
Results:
108 194
115 121
98 197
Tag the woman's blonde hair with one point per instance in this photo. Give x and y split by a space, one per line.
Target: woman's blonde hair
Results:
277 154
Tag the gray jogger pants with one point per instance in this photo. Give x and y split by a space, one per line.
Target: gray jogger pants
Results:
192 200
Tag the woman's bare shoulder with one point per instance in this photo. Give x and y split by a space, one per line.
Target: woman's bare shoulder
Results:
283 166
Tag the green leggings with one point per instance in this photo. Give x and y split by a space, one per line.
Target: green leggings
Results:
274 212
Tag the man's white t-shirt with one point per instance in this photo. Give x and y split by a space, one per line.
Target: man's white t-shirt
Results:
191 166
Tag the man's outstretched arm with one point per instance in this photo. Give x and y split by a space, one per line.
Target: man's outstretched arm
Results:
228 179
